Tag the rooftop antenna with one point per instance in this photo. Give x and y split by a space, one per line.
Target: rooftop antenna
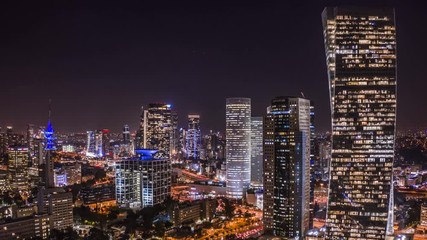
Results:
50 109
302 94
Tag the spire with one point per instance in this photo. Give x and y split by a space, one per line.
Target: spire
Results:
49 132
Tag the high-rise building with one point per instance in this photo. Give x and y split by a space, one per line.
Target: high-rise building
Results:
95 147
174 135
287 167
361 59
143 181
54 201
49 163
256 150
238 146
268 167
30 142
126 134
158 128
18 168
194 137
182 142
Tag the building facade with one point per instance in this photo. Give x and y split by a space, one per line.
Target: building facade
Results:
361 59
256 150
238 146
94 146
18 168
158 128
287 160
194 137
143 181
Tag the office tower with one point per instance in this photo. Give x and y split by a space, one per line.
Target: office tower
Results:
49 147
312 175
126 134
140 134
3 143
18 168
30 142
194 137
324 158
174 135
95 145
182 142
256 150
361 59
52 200
105 143
238 146
287 167
144 180
157 125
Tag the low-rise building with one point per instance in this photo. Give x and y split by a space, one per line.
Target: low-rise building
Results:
26 228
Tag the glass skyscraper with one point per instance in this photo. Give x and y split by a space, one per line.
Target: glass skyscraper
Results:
361 60
158 129
143 181
287 143
256 150
194 137
238 146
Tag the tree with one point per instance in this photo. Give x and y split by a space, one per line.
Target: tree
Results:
18 199
100 174
114 212
228 208
67 234
96 234
159 229
130 222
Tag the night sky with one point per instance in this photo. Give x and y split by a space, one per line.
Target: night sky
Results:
100 61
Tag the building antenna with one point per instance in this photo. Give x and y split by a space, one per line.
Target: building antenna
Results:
302 94
50 109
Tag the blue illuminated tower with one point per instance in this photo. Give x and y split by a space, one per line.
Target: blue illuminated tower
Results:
49 146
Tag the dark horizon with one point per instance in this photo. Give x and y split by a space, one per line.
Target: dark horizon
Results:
101 61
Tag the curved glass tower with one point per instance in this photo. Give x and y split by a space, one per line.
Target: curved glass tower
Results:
238 146
361 59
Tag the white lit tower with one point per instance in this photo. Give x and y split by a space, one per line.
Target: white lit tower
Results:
361 59
194 137
238 146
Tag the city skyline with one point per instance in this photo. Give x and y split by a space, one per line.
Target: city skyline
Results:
250 169
256 59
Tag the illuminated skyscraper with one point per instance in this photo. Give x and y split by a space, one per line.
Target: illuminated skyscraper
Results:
194 137
143 181
361 59
50 199
287 167
49 147
18 168
157 128
126 134
256 150
94 146
238 146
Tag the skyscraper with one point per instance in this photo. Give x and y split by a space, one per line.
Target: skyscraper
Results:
361 59
52 200
126 134
157 128
94 146
18 168
256 150
287 160
238 146
194 137
144 180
